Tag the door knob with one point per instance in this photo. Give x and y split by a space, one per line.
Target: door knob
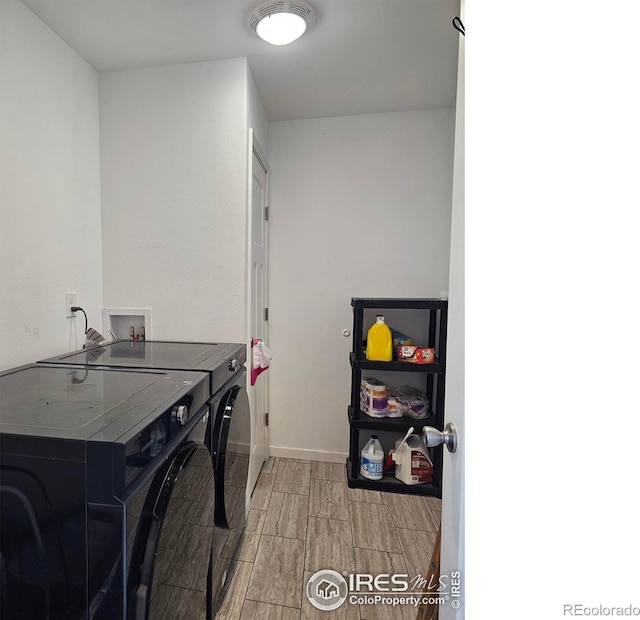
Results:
433 437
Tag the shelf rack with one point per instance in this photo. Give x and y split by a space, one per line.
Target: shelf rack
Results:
433 322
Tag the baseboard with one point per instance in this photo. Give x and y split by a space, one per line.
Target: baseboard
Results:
307 455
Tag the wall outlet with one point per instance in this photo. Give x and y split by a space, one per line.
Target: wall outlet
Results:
70 300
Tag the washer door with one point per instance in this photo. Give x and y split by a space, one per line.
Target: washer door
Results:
231 468
174 541
24 569
231 458
42 557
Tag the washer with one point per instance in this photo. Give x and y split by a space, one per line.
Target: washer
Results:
107 484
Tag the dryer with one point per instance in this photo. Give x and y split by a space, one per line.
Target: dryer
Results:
229 432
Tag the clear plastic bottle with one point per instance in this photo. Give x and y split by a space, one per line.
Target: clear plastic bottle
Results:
379 341
372 459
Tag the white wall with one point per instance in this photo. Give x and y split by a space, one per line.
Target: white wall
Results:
360 207
174 166
50 238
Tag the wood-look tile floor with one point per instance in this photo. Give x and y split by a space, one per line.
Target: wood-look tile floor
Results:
303 519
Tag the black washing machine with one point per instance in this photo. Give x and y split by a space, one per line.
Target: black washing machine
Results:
230 426
107 484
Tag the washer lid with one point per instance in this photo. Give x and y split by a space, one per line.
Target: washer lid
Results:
85 403
163 354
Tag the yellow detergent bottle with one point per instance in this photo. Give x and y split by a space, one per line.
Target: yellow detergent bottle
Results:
379 344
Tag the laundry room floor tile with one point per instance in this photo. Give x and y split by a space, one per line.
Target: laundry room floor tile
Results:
329 545
270 466
373 528
329 471
264 611
435 505
304 519
416 545
375 563
262 491
277 571
328 499
245 550
236 589
292 477
287 516
364 495
411 512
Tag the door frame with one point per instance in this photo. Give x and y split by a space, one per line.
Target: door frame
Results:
254 148
452 555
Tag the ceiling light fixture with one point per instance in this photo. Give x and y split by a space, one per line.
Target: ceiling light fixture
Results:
281 23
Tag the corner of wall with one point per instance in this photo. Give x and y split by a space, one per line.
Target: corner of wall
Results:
256 113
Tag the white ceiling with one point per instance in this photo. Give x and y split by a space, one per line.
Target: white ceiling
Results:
361 56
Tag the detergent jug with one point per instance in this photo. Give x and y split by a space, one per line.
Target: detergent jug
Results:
379 341
371 459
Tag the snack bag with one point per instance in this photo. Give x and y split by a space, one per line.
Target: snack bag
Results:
416 355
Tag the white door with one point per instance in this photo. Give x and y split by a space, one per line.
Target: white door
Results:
258 192
452 551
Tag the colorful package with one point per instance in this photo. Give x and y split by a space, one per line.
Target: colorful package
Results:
409 402
416 355
399 340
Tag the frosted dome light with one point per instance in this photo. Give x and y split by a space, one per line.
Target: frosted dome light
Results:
281 28
281 22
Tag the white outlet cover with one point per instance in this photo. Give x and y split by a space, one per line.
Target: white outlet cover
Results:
70 300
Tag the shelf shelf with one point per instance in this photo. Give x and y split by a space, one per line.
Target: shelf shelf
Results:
406 303
391 484
396 425
365 364
424 320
